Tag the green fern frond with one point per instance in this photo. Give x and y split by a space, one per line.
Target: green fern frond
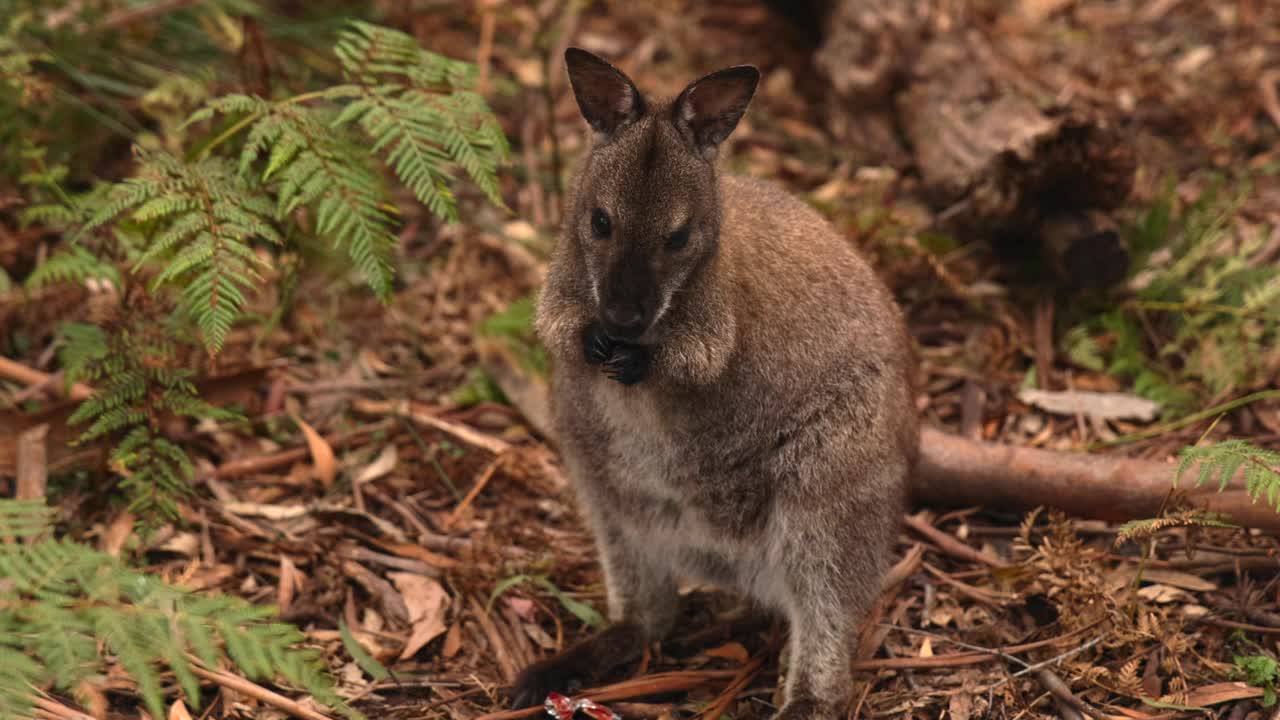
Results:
73 263
315 166
83 346
1223 460
417 108
24 518
137 388
68 606
207 218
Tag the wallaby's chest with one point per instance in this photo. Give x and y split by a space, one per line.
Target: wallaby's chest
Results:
675 475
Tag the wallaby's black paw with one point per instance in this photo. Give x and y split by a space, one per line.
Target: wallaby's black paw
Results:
629 364
542 678
596 346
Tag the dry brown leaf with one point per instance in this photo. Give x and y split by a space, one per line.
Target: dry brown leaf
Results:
1101 405
426 601
522 606
290 582
183 543
117 534
385 463
1218 693
1178 579
90 693
33 465
926 648
537 635
323 463
960 706
1163 594
452 641
178 711
370 359
730 651
390 602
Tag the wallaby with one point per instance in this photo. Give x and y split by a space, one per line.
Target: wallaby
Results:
731 388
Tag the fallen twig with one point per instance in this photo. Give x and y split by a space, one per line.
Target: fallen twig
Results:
977 658
475 490
638 687
1054 684
30 376
263 463
950 545
415 413
253 690
48 708
746 674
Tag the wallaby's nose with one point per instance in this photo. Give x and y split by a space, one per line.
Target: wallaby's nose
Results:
624 321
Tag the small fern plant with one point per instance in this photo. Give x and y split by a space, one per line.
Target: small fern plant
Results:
199 235
66 610
1220 461
139 387
308 169
1261 468
1203 315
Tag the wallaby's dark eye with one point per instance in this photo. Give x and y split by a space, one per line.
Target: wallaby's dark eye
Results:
678 239
600 223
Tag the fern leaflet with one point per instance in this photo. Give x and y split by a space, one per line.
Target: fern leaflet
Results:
66 605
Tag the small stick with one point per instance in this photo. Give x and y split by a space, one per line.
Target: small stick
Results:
263 463
500 648
484 54
454 698
49 708
745 676
1054 684
990 597
30 376
977 658
651 685
255 691
474 491
417 414
950 545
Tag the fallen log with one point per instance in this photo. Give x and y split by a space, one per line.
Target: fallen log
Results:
962 472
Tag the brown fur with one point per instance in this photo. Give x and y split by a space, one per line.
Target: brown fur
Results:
768 447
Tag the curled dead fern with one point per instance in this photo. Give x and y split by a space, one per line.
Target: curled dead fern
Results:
1143 529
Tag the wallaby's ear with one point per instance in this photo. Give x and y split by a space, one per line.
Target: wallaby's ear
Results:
607 98
709 109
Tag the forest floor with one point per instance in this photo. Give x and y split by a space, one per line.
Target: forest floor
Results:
435 519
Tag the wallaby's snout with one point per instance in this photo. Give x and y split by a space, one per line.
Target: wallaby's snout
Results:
626 304
624 321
